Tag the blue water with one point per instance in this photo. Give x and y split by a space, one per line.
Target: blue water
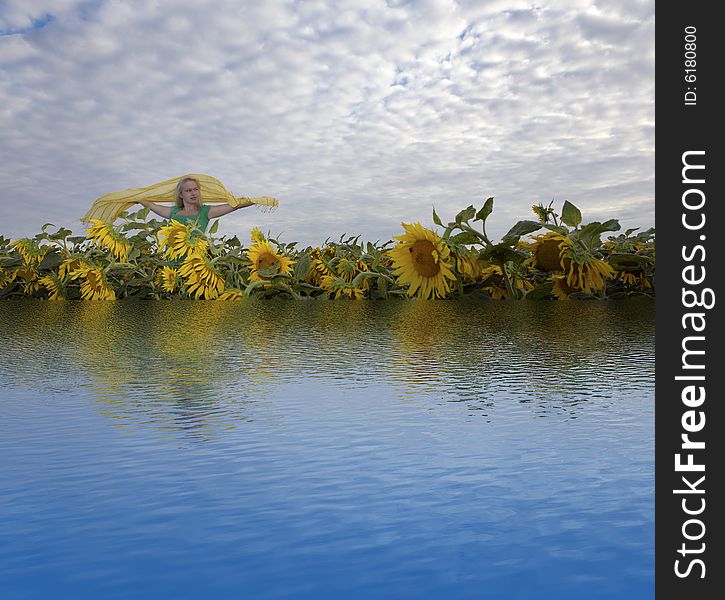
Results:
287 449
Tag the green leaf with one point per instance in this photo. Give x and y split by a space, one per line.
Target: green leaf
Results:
628 262
382 287
590 234
214 227
365 275
502 253
570 214
60 234
465 215
581 296
618 295
121 268
302 266
138 293
557 228
254 285
277 276
9 289
132 226
283 287
436 218
521 228
541 291
465 237
10 261
51 260
486 210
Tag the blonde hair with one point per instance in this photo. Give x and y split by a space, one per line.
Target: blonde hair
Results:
182 181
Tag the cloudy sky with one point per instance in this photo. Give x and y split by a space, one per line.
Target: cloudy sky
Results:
356 114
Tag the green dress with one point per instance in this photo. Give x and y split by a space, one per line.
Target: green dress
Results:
200 220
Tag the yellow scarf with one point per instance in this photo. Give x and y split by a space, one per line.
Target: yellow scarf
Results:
109 206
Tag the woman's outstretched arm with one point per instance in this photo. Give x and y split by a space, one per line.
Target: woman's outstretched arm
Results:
162 211
224 209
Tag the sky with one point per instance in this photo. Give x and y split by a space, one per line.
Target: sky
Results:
357 115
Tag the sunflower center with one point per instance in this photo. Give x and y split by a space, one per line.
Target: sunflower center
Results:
547 255
424 262
265 260
94 279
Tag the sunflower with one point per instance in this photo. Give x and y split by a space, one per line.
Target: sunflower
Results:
169 279
627 278
587 274
547 249
262 256
232 294
561 289
30 250
469 266
634 279
318 267
54 285
555 252
69 266
180 241
105 235
95 284
30 279
542 212
201 276
257 235
422 260
340 287
496 284
348 269
6 278
478 267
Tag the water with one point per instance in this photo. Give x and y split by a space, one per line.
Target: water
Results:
287 449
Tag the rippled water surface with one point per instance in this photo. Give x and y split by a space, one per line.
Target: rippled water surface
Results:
327 450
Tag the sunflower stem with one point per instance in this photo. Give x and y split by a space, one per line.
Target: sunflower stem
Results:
507 281
480 235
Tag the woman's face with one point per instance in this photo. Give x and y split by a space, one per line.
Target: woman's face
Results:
190 193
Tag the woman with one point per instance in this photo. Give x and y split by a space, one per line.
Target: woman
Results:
190 208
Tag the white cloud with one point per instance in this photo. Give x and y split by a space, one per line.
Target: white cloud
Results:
357 116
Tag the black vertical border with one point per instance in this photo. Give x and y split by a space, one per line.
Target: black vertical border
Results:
680 128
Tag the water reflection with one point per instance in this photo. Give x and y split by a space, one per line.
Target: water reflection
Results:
551 356
390 449
197 366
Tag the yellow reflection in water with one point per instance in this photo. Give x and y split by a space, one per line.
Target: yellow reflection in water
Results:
199 366
166 362
423 340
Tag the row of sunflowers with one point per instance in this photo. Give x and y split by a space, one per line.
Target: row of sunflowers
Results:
555 256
